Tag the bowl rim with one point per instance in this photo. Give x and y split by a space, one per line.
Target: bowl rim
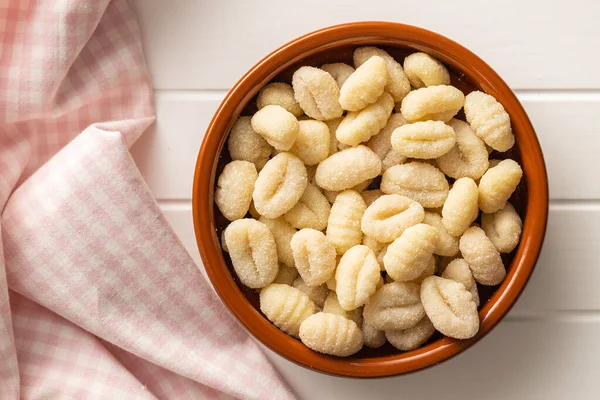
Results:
524 261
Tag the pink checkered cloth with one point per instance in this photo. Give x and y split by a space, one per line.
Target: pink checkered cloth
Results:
98 298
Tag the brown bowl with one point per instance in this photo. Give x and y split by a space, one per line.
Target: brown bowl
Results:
336 44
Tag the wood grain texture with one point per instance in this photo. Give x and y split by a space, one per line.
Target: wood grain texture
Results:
209 44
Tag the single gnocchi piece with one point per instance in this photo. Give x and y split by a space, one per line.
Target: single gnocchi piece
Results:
234 189
317 93
468 158
311 211
450 307
398 85
332 306
498 184
409 255
314 256
427 272
279 186
331 334
253 253
503 228
439 103
426 139
481 255
282 233
286 307
369 196
460 209
348 168
356 276
365 85
312 142
277 126
372 337
423 70
411 338
396 305
419 181
458 270
489 120
359 126
447 244
381 144
286 275
339 71
343 227
247 145
389 216
279 94
317 294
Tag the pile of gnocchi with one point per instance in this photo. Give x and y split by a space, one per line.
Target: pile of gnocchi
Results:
353 197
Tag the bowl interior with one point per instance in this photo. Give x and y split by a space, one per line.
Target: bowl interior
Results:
468 73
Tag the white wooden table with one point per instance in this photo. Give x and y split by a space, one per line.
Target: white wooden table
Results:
547 51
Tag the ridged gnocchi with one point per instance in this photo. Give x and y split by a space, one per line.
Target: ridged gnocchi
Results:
234 189
398 85
311 211
468 158
408 256
419 181
316 294
279 186
365 85
426 139
348 168
447 244
279 94
247 145
373 338
252 251
312 142
339 71
450 307
332 306
331 334
411 338
423 70
489 120
314 256
498 184
277 126
390 215
282 233
396 305
286 307
481 255
460 209
503 228
359 126
343 227
356 276
438 103
459 271
317 93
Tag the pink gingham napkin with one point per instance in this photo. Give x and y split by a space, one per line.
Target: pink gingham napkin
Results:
98 298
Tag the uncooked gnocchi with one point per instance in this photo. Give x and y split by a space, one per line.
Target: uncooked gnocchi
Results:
360 126
277 126
503 228
234 189
253 253
426 139
343 227
419 181
331 334
279 94
423 70
481 255
317 93
279 186
398 85
347 168
286 307
396 305
498 184
408 256
489 120
365 85
245 144
362 227
389 216
438 103
450 307
356 277
314 256
311 211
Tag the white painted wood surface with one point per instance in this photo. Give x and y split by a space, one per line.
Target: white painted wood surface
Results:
547 348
